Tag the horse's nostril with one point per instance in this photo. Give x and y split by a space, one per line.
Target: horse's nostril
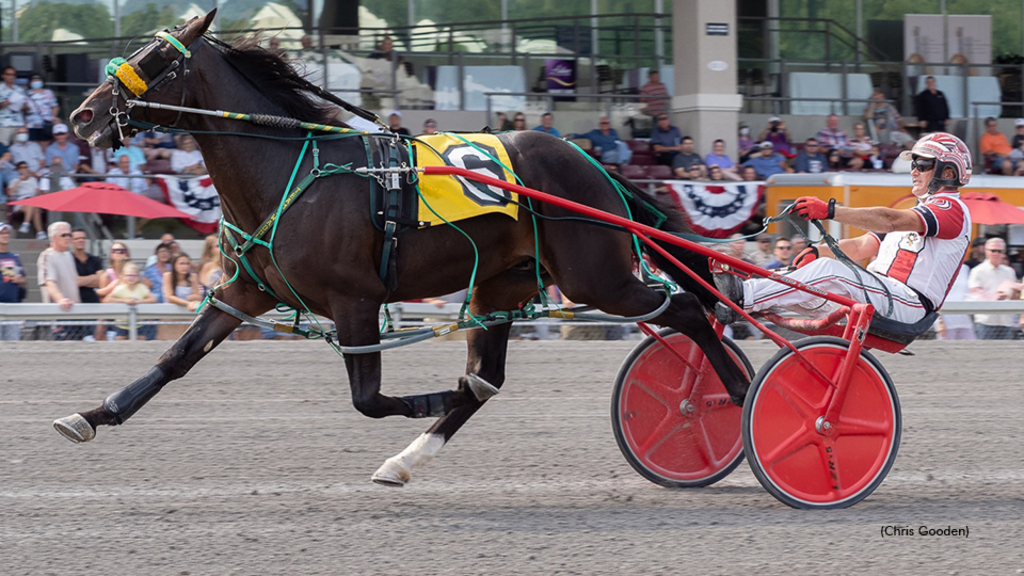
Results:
83 117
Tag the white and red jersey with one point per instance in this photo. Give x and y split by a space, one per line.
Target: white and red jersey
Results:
929 262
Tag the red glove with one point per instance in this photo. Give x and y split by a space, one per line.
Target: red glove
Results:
810 254
811 208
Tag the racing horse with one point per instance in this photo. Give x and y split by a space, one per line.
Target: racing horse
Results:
329 250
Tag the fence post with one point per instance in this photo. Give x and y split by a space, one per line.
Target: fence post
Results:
964 73
462 82
133 323
846 90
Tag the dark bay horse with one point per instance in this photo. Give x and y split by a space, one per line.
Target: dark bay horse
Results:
329 250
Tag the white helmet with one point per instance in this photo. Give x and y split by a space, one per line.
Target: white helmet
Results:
948 151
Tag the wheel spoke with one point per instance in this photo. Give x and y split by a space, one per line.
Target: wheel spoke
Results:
660 434
830 465
716 401
706 446
862 427
803 406
798 439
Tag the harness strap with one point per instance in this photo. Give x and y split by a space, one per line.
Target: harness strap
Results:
164 35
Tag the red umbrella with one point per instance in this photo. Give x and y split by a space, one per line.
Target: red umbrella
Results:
103 198
987 208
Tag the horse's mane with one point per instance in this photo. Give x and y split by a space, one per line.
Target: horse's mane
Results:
276 79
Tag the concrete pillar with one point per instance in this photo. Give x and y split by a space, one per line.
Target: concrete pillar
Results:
706 105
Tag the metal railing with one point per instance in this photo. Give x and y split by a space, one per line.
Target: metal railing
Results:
607 99
404 314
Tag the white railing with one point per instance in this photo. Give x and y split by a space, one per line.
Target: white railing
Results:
403 314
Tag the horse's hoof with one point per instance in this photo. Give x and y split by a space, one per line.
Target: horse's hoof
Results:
391 474
75 428
481 389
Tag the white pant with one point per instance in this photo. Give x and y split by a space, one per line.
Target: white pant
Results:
834 277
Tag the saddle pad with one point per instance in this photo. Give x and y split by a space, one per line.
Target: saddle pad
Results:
457 198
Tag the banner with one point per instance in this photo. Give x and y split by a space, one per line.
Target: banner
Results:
195 196
560 76
717 210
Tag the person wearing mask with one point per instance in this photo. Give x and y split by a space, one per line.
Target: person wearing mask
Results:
24 150
41 111
12 106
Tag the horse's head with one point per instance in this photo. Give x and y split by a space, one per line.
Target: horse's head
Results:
155 73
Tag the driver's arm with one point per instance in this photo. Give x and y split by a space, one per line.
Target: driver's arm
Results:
860 248
881 220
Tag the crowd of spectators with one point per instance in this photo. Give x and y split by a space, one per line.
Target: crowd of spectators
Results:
67 274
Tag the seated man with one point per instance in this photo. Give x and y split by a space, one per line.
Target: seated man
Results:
605 140
886 121
665 140
995 148
686 159
834 139
768 162
918 250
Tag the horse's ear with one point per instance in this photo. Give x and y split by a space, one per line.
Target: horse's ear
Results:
199 25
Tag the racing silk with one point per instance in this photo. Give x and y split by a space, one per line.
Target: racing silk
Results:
928 263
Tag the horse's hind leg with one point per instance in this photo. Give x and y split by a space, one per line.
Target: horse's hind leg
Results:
206 332
485 371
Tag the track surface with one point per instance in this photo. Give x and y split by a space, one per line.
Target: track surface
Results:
257 463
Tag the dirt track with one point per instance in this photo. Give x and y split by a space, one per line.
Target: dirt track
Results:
257 463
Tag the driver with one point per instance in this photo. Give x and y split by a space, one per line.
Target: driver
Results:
918 250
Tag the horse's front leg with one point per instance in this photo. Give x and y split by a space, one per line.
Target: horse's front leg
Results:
207 331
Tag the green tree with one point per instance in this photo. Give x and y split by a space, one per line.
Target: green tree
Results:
37 22
147 19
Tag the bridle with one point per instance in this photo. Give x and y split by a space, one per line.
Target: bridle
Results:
156 72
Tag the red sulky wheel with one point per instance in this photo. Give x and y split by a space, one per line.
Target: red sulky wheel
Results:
789 455
668 435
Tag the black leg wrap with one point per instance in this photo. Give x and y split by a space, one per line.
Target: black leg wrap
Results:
127 401
431 405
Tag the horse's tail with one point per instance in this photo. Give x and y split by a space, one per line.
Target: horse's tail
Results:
649 210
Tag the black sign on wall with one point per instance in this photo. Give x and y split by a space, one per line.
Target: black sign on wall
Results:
716 28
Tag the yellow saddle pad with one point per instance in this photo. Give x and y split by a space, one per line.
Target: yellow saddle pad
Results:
455 198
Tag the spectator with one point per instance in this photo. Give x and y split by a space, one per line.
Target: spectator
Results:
137 185
503 123
69 153
153 275
1018 138
736 248
810 160
799 243
977 254
274 46
686 159
181 284
12 282
519 121
55 177
430 126
209 267
137 158
547 125
745 144
762 254
995 148
836 140
783 252
692 172
715 173
719 158
395 123
25 187
607 145
956 326
12 106
864 147
24 150
931 108
8 173
58 277
111 277
88 266
41 111
186 159
768 163
749 174
131 291
165 238
887 121
666 140
991 280
385 51
776 133
654 95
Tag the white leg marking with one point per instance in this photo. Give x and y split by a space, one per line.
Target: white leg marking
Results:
396 470
208 347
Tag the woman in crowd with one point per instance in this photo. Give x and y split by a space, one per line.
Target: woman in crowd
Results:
119 257
40 111
153 275
519 121
181 284
210 270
